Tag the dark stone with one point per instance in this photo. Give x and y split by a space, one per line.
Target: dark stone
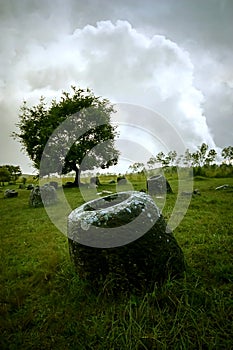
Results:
10 194
112 182
69 184
42 196
54 184
121 180
196 192
150 256
30 187
94 181
158 185
21 186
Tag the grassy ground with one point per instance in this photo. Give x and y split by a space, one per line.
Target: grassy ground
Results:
44 304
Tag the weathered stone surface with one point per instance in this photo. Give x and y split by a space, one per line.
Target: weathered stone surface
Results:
42 196
224 187
10 193
158 185
21 186
121 243
104 193
195 192
54 184
95 180
121 180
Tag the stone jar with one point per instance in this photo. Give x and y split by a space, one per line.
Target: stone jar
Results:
158 185
121 242
42 196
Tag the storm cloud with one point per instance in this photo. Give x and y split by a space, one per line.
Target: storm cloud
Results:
170 57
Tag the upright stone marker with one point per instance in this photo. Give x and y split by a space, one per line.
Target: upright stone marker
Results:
95 181
44 195
158 185
121 242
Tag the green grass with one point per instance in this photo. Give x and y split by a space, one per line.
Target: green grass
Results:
44 304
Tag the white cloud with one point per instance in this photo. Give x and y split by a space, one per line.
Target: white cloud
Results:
124 65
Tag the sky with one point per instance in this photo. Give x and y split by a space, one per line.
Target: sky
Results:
169 59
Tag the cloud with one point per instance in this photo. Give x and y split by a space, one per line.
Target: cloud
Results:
119 62
46 48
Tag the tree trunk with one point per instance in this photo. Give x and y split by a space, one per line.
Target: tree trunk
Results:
77 176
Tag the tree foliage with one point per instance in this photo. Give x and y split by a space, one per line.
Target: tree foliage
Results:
80 113
137 167
227 154
5 175
202 156
9 173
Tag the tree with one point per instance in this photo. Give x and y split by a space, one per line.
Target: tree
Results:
151 162
187 158
201 157
211 156
171 157
137 167
80 113
14 171
227 154
5 175
162 159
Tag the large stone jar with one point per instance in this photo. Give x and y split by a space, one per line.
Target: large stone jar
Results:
121 242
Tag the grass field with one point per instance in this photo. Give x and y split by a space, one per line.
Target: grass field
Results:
44 304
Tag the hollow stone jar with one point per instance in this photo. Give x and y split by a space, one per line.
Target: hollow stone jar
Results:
122 242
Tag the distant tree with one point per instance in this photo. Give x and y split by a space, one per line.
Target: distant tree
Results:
88 114
15 171
151 162
162 159
211 157
187 158
5 175
179 159
136 167
198 157
227 154
171 158
203 157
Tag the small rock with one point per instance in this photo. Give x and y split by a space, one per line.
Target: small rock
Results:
223 187
104 192
10 194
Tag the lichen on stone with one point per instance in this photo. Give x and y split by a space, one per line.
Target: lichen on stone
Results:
146 259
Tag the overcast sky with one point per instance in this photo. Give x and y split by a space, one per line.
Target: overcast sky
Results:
173 57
